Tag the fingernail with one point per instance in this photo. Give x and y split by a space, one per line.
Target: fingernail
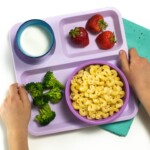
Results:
121 51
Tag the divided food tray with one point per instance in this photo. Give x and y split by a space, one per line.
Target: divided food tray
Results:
65 59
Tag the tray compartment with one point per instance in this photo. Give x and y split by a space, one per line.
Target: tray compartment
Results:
68 23
65 120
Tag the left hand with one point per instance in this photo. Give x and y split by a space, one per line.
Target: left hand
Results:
16 109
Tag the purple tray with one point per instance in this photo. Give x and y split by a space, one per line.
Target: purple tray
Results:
65 59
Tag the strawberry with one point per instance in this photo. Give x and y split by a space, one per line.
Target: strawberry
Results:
106 40
96 24
79 36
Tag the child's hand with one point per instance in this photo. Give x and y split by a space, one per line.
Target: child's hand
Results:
137 71
16 109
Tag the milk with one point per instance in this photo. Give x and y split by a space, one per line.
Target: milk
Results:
34 41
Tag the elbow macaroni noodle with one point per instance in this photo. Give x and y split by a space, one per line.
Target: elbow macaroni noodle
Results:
97 92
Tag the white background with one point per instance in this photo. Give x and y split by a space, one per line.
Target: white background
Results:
12 12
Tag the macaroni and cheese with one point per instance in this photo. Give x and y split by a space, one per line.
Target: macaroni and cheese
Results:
97 92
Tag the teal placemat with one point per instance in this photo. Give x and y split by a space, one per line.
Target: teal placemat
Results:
137 37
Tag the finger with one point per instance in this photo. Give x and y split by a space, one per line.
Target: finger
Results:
7 96
133 54
124 61
23 95
13 92
13 88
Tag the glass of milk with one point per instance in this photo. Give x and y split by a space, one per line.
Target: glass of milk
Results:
34 39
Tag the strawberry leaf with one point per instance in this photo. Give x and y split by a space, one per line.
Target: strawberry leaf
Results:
102 24
74 32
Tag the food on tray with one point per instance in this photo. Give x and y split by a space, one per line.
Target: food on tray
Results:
106 40
49 90
46 115
50 81
35 41
54 95
79 36
35 89
96 24
97 92
40 100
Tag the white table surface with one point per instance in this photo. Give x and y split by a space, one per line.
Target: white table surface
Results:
15 11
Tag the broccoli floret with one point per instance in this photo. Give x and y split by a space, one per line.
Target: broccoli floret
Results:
46 115
54 95
34 88
40 100
50 82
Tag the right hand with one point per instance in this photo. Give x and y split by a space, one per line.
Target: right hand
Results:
137 71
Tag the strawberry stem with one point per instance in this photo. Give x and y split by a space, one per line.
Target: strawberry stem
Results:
113 39
102 24
74 32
